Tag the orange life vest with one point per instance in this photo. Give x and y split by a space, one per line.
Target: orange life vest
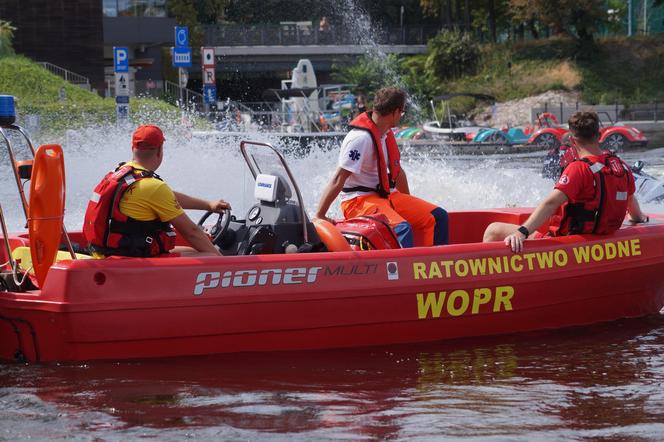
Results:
388 168
605 212
110 232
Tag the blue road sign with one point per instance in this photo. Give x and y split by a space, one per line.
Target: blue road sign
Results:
181 36
181 57
210 93
121 59
122 99
122 111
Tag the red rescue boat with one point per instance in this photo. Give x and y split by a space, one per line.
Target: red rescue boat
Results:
260 298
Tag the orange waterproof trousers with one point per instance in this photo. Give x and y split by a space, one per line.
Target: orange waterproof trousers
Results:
428 222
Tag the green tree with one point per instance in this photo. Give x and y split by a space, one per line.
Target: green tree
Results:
6 37
194 13
489 17
369 74
447 12
416 79
211 11
388 12
185 14
577 18
451 55
385 12
274 11
485 16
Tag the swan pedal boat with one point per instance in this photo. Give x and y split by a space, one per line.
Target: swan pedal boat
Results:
258 298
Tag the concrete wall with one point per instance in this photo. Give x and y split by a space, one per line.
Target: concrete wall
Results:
138 30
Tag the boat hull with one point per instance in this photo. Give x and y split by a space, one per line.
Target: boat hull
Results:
140 308
434 131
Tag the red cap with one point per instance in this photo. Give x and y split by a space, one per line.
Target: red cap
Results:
147 137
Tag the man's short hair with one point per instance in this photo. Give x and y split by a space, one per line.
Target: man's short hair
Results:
389 99
584 125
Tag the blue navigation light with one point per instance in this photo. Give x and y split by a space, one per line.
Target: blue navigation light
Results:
7 110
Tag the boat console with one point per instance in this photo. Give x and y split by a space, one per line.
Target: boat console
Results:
276 222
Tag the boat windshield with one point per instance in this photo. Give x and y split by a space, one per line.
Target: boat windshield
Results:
265 159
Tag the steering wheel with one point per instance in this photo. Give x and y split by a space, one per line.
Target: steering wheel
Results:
220 227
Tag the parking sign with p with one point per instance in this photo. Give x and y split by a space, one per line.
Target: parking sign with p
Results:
121 59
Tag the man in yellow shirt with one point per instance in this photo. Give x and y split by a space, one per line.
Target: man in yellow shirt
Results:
133 209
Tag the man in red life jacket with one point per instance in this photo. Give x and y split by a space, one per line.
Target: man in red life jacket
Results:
132 209
370 179
592 195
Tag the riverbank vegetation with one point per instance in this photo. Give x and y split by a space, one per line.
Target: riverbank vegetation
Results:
61 105
611 70
605 71
6 36
510 49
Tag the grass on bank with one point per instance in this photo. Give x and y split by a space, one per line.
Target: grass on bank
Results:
37 91
613 70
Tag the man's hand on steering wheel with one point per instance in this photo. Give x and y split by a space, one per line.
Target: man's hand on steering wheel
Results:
218 206
220 226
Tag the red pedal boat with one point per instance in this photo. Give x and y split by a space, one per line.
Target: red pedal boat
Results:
259 298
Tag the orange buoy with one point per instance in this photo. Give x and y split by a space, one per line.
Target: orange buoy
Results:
46 208
331 236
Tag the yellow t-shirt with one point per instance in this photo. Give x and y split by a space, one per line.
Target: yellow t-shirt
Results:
150 199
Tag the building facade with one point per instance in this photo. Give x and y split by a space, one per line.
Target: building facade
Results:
63 32
143 26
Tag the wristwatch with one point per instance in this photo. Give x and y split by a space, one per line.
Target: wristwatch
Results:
523 230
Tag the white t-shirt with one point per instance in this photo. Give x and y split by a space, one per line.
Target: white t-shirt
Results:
358 155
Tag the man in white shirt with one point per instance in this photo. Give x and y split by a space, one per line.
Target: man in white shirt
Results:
370 179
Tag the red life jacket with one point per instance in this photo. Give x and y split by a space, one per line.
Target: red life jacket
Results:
388 168
568 153
369 232
110 232
605 212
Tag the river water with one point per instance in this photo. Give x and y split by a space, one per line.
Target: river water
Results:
600 382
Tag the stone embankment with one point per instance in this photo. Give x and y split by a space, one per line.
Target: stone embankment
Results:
518 112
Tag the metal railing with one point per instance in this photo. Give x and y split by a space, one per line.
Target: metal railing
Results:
643 112
71 77
616 112
297 34
182 96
